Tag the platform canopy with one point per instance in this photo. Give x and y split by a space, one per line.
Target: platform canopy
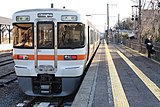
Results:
5 21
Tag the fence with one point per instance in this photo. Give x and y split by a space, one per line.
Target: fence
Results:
134 44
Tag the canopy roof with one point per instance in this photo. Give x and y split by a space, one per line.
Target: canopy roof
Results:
5 21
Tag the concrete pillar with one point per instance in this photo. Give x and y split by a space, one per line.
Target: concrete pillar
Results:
9 32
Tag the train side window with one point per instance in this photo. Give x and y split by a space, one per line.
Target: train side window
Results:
23 35
91 36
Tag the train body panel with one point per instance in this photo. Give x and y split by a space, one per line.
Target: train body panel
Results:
72 68
52 47
68 86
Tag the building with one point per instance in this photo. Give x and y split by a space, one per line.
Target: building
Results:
5 29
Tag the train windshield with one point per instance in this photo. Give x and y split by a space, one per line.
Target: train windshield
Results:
45 35
70 35
23 35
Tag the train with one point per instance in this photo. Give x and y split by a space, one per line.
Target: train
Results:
51 49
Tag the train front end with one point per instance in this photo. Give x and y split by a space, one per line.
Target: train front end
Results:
49 51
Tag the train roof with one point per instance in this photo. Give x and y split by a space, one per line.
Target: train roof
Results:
46 9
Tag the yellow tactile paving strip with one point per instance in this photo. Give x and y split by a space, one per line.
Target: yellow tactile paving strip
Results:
119 96
151 85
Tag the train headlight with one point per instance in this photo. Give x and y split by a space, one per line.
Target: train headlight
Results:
22 57
70 57
69 18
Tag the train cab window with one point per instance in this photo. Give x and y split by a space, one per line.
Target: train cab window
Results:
23 35
45 35
70 35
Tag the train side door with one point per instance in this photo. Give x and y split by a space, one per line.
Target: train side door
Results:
45 52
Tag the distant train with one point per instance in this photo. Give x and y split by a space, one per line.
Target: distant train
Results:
51 49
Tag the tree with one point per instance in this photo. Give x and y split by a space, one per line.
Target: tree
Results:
126 24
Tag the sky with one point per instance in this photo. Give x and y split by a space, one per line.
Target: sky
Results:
92 7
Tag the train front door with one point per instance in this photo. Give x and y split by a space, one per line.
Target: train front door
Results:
45 52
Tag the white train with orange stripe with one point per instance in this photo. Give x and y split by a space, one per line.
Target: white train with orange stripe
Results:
51 49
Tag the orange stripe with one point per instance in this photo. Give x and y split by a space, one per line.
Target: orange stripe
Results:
15 56
45 57
30 57
81 57
60 57
49 57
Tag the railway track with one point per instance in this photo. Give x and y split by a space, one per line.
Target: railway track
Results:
5 54
5 59
6 62
7 78
47 102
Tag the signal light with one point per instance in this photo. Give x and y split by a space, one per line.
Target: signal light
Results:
158 4
132 17
136 18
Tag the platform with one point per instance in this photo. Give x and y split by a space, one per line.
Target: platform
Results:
6 47
117 78
87 91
